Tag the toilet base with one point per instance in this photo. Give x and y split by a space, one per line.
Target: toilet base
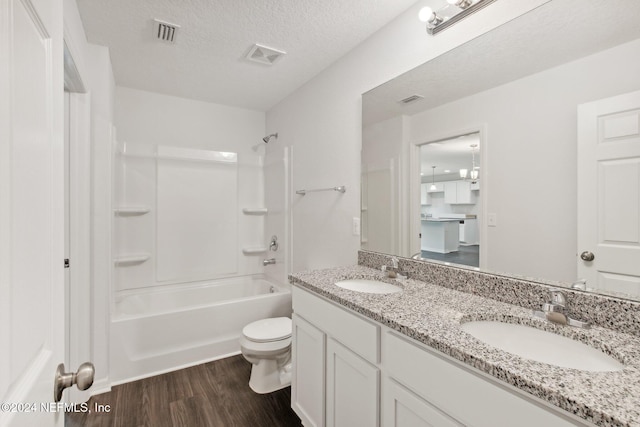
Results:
266 377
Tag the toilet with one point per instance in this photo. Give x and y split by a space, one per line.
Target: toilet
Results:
266 344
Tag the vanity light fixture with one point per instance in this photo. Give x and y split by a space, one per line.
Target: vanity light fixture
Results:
449 13
433 179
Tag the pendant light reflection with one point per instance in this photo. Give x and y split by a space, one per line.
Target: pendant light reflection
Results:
473 173
433 179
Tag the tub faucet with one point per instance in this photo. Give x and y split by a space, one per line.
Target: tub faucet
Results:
555 310
268 261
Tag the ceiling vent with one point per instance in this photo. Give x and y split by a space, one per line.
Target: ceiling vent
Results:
264 55
410 99
165 31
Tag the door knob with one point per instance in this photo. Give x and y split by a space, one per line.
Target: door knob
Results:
587 256
83 379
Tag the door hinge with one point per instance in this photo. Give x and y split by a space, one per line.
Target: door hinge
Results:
66 263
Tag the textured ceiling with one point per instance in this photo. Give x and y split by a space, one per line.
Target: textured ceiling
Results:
206 62
555 33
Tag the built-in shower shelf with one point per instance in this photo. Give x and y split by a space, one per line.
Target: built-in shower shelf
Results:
254 211
125 260
254 250
131 210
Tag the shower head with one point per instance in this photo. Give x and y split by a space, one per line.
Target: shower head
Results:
267 138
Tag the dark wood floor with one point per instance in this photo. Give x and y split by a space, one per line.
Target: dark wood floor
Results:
215 394
466 255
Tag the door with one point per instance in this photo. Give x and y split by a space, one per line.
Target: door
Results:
307 382
353 386
609 194
402 408
32 303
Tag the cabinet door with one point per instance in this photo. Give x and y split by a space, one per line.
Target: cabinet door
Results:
450 192
424 196
307 381
402 408
463 192
352 388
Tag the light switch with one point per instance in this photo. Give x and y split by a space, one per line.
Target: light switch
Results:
356 226
492 220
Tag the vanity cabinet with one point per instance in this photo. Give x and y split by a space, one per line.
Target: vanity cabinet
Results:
458 193
352 388
336 380
425 385
351 371
307 382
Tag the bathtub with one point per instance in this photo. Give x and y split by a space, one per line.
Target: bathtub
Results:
156 331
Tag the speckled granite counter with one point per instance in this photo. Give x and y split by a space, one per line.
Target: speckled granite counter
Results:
432 314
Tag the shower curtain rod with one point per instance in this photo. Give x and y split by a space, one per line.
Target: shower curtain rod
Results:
340 189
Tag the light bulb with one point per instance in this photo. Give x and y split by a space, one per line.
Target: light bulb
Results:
474 174
433 187
425 14
463 173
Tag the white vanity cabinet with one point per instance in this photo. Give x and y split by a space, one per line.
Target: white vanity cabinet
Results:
336 380
351 371
428 388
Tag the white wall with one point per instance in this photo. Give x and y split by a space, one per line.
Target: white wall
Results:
322 121
531 156
381 184
146 120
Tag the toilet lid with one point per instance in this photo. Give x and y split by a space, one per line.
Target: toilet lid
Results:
266 330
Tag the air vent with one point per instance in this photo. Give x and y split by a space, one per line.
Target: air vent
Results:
164 31
264 55
410 99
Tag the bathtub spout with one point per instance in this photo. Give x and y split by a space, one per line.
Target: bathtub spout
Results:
268 261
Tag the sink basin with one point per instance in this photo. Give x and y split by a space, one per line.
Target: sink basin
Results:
369 286
541 346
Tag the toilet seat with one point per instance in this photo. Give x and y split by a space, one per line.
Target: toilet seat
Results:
268 330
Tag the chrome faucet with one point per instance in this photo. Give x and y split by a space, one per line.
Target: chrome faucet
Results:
394 271
266 262
555 310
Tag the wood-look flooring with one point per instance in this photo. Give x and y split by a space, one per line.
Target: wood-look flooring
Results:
214 394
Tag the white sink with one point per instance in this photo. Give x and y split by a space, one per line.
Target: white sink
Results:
369 286
541 346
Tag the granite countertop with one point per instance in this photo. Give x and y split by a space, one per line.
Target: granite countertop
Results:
432 314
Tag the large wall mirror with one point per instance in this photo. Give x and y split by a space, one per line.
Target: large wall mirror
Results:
481 157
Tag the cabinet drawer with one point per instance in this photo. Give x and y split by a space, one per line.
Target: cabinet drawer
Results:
466 396
360 335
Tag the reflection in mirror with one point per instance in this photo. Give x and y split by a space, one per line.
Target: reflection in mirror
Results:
450 200
522 86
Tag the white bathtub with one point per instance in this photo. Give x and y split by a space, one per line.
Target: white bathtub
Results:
163 330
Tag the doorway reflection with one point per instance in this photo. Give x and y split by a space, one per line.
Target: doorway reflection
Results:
450 200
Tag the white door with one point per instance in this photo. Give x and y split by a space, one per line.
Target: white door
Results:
402 408
609 193
353 387
32 303
307 382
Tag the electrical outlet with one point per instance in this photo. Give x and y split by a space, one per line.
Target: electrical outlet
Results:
492 220
356 226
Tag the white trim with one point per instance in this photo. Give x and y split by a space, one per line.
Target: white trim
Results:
5 195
